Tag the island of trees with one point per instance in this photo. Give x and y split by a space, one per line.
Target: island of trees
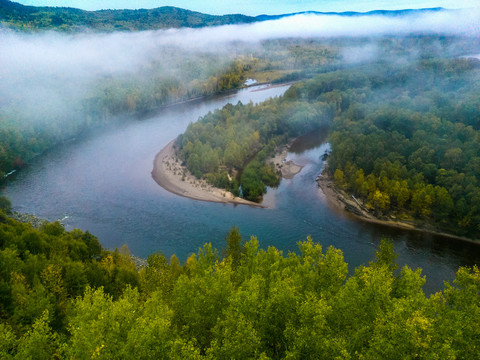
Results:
230 147
63 296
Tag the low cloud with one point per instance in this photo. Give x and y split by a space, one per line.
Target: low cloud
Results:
453 22
48 73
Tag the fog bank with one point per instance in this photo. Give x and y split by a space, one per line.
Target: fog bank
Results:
47 74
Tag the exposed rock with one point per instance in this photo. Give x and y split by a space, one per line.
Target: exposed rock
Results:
36 222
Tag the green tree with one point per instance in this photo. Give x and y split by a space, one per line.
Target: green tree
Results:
8 342
234 247
385 255
151 335
339 178
40 342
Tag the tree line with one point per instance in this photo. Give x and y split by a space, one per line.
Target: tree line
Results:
35 18
63 296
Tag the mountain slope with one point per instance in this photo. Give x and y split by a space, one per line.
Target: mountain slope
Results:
18 16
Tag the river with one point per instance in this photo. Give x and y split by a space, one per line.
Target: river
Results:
102 183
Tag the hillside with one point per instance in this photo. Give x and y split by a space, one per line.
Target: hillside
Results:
17 16
31 18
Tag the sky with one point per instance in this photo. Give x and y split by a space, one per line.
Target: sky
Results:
258 7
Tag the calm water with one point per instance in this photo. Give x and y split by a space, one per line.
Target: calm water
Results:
103 184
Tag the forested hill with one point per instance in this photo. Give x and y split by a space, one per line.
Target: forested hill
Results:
18 16
15 15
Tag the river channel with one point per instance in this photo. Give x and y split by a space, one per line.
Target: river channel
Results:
102 183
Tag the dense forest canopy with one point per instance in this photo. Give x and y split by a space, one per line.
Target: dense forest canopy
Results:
63 296
407 140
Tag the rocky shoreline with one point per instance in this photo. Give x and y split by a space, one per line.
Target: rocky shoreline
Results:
33 220
288 169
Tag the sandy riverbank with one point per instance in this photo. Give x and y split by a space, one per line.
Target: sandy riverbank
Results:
345 202
270 85
288 169
172 176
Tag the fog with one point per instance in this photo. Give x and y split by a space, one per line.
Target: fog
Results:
459 22
49 75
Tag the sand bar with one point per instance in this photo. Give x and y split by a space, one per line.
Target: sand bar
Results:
172 176
288 169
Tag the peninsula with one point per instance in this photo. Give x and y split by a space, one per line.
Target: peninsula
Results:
169 173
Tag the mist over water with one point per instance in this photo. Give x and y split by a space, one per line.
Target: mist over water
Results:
45 75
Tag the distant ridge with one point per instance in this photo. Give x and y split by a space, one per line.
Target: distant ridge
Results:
392 13
33 18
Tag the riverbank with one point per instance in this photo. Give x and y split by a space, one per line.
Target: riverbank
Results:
148 113
340 200
175 178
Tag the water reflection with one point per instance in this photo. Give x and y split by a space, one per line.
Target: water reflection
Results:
309 141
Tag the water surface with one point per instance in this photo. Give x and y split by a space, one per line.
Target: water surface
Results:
103 184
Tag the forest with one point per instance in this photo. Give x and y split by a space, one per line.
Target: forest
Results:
404 139
230 147
407 141
63 296
34 18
